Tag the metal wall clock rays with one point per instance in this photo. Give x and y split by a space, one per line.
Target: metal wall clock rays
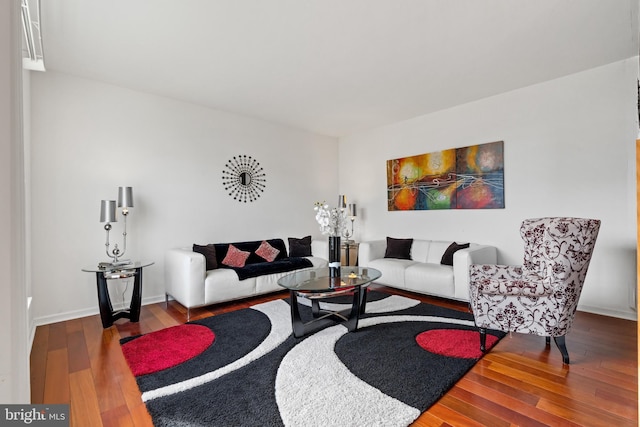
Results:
243 178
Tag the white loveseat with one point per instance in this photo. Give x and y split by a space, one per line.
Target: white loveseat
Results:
189 282
424 273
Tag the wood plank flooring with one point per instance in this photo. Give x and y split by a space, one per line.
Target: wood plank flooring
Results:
521 382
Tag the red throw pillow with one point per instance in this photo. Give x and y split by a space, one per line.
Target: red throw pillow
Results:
235 257
267 251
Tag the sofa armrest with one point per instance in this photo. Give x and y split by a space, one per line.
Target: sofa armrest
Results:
463 259
184 274
368 251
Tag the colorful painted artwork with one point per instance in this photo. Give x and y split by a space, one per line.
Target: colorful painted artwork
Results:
458 178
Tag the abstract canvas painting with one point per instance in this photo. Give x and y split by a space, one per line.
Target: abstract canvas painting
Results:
458 178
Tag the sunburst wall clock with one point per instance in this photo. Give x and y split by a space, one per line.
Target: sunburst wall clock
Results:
243 178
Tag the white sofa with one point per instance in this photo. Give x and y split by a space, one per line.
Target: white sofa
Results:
189 283
424 273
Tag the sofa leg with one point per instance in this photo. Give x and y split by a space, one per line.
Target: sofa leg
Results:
560 342
166 300
483 339
547 341
188 314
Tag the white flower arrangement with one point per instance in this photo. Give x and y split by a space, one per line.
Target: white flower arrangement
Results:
332 221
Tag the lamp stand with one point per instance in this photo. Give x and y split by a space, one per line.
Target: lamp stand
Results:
115 252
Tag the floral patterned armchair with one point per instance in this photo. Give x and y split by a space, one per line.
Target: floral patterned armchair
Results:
541 296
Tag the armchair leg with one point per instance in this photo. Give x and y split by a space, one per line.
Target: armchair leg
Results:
483 340
560 342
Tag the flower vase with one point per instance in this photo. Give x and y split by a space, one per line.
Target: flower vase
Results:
334 256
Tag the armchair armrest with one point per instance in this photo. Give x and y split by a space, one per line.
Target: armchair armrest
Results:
368 251
463 260
184 274
511 280
479 272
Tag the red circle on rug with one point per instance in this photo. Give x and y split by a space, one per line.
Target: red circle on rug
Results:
166 348
454 342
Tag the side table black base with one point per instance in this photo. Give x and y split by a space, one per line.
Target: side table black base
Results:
107 314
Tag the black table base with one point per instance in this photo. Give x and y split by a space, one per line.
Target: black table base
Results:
107 314
324 318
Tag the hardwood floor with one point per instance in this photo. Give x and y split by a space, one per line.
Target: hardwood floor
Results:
520 382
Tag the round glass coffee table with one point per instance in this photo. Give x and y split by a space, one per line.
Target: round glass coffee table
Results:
322 283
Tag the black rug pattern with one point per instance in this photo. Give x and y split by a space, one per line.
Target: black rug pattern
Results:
257 374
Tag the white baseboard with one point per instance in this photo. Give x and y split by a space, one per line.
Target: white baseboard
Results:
61 317
70 315
629 315
31 326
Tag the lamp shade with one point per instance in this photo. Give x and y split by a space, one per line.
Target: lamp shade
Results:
342 201
108 211
352 209
125 197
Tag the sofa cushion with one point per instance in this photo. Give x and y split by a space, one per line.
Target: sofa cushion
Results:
300 247
266 251
437 248
398 248
420 250
224 284
392 270
435 279
235 257
209 252
447 257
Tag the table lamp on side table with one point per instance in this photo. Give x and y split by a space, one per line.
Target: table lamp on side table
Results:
108 215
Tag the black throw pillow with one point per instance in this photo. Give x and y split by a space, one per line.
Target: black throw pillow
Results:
447 257
300 247
398 248
209 252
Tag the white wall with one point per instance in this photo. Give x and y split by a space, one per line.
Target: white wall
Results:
569 151
89 138
14 354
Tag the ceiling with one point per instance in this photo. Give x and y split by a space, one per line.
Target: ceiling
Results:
334 67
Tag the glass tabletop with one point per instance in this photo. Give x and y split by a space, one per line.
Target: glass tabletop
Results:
320 280
107 268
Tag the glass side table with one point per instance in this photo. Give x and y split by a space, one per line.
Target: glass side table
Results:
133 269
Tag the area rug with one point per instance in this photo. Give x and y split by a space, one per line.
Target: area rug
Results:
245 368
